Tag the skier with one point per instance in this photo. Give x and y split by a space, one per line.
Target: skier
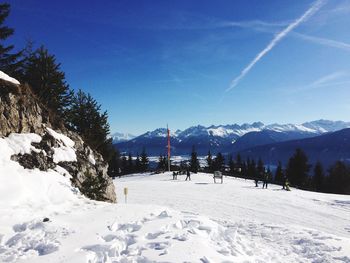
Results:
287 185
188 175
284 182
174 175
266 179
256 180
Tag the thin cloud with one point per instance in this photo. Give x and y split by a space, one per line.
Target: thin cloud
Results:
312 10
254 24
324 41
335 79
326 79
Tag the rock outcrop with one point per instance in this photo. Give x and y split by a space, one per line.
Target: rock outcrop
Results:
21 112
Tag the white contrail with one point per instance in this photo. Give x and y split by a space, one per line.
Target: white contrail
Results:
313 9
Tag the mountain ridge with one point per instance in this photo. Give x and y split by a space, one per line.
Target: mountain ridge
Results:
227 138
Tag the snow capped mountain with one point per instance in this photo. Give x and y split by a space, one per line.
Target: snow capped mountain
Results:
323 126
228 138
236 130
121 137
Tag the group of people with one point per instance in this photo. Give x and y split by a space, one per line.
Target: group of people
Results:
187 172
266 179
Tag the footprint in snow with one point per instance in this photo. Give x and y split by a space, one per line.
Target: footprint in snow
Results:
154 235
164 214
132 227
158 245
182 237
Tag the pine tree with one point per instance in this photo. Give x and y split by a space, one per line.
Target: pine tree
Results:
279 173
260 168
10 63
251 168
238 160
124 164
94 187
219 162
130 164
231 164
298 168
194 163
339 179
318 178
114 167
85 118
44 75
209 162
161 163
244 169
137 163
144 160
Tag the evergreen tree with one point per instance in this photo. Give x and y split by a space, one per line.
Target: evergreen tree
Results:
124 164
209 162
85 118
244 169
339 179
194 163
137 163
130 164
94 187
10 62
251 168
219 162
44 75
260 168
144 161
114 167
162 163
318 178
239 160
231 164
298 168
279 173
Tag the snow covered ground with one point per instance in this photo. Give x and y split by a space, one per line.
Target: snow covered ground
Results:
170 221
251 224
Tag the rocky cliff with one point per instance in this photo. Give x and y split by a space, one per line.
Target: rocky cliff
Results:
59 149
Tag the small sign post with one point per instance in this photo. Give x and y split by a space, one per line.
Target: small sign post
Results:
126 194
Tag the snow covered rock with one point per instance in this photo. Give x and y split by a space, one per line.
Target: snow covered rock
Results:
6 77
58 149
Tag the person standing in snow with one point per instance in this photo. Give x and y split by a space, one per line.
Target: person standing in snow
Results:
284 182
188 175
256 180
265 180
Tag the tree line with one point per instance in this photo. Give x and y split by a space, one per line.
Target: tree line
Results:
38 68
298 171
127 164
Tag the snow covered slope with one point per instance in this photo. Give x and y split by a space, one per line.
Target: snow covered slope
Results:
251 224
172 221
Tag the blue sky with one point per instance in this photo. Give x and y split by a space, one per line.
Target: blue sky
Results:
150 63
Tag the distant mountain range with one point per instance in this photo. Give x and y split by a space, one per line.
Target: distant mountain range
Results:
327 148
121 137
227 138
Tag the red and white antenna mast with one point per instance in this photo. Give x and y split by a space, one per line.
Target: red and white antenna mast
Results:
168 147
